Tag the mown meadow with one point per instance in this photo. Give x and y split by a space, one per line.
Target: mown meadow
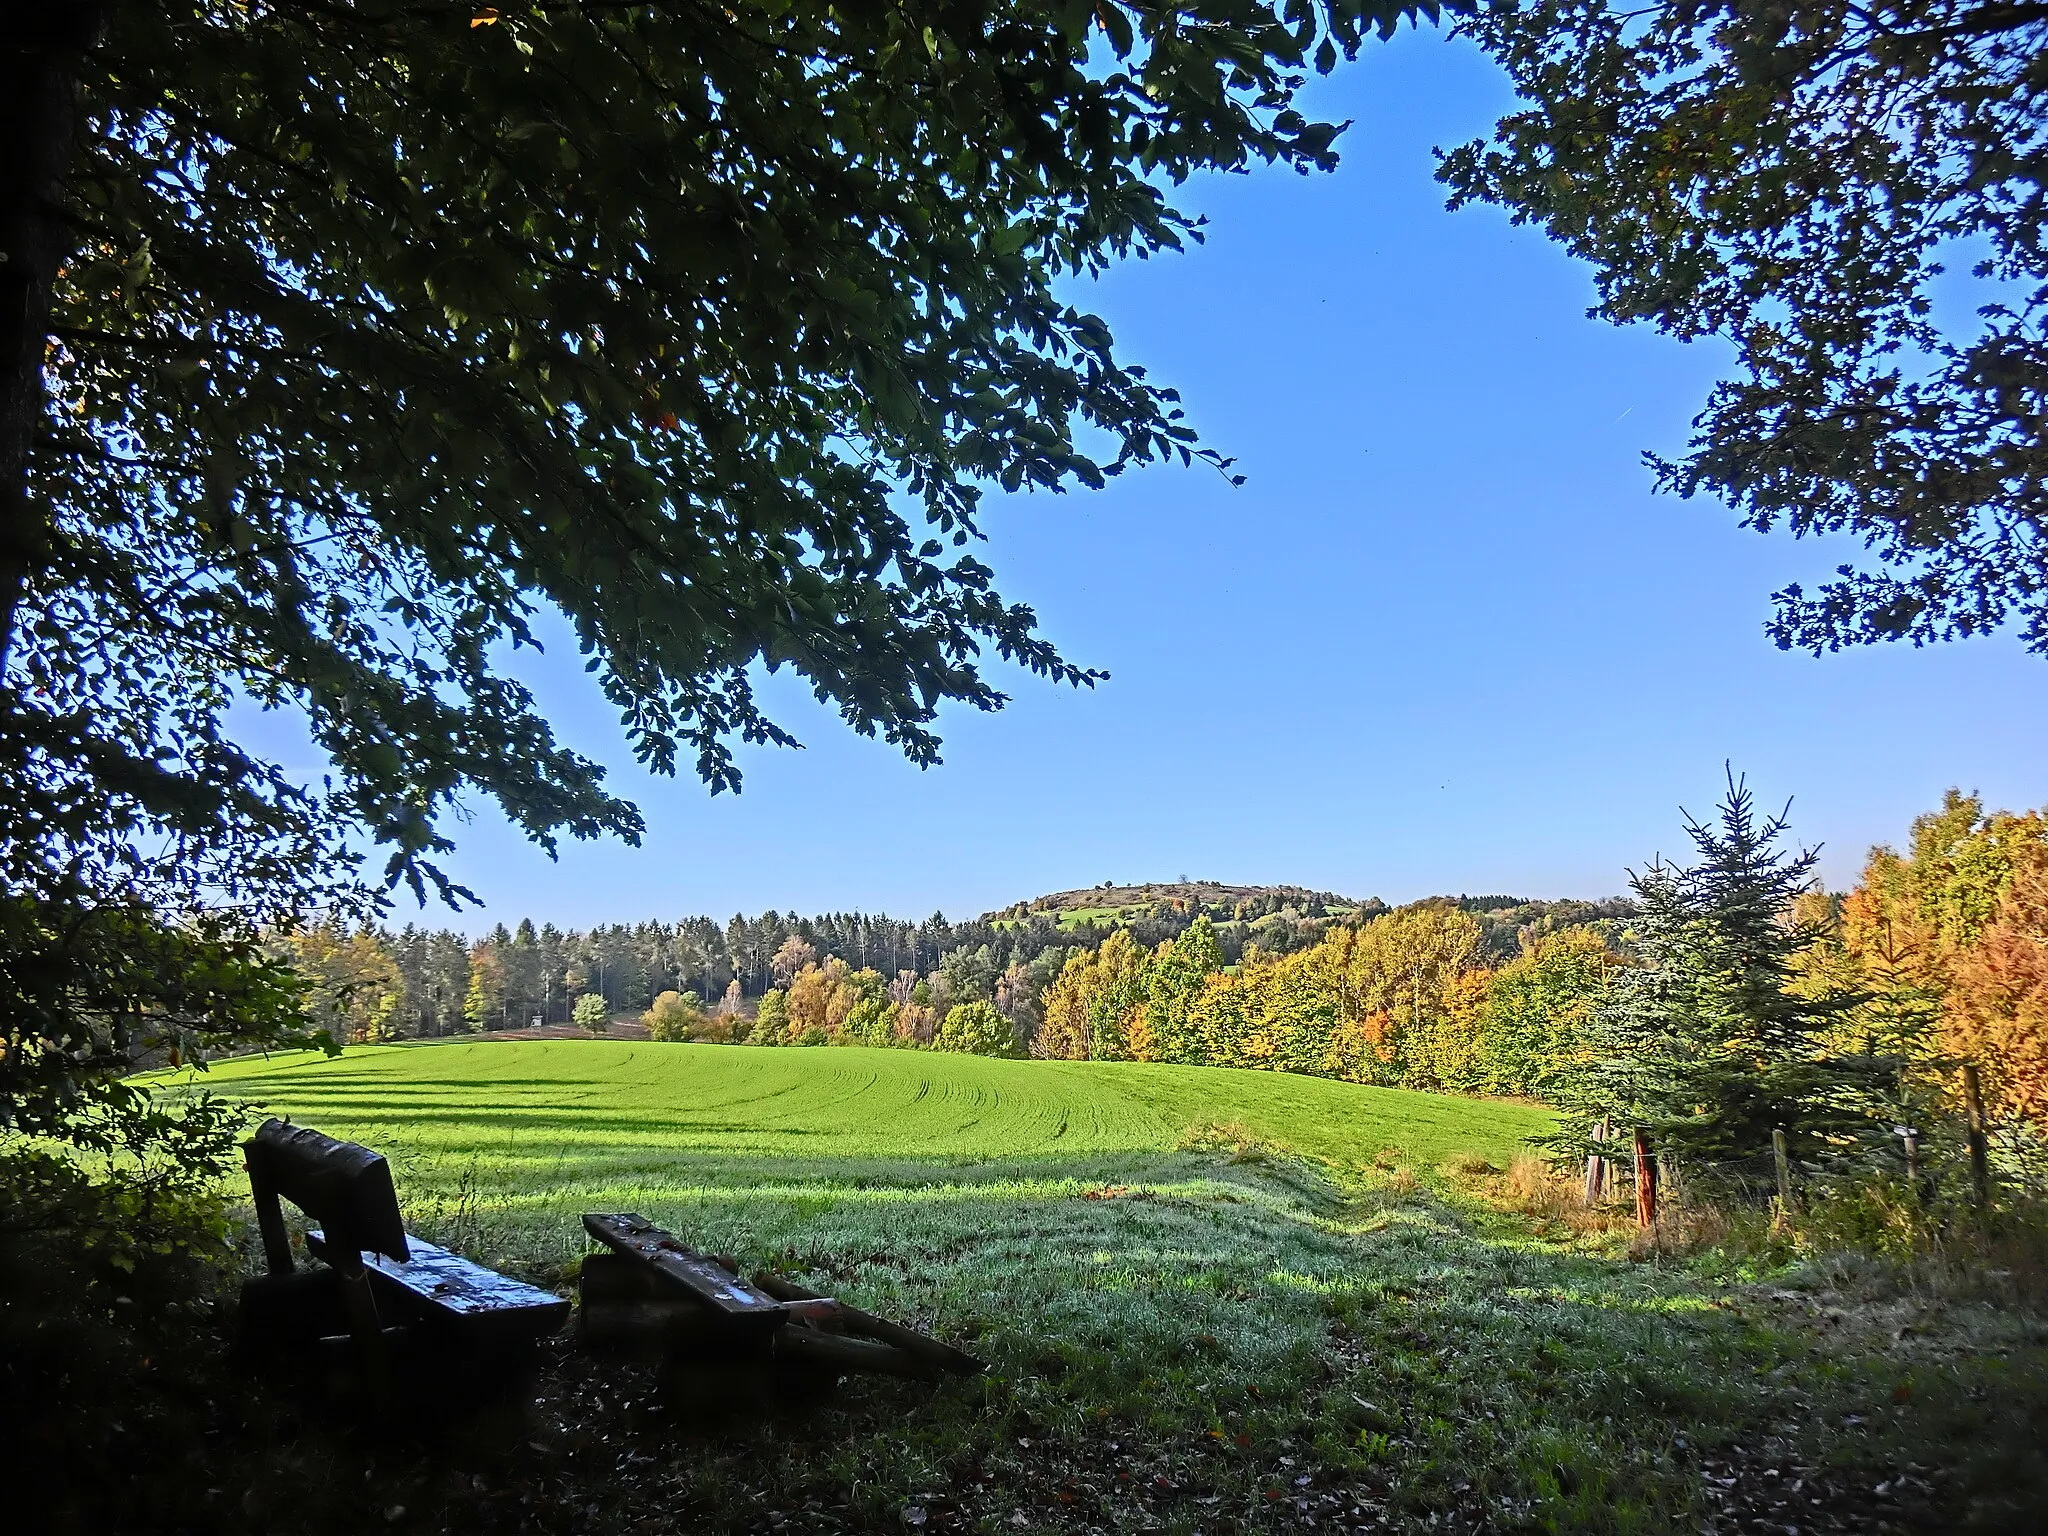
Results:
1210 1300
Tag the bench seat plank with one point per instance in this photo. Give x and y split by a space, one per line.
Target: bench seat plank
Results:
451 1289
701 1277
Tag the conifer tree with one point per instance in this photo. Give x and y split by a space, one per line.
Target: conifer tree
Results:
1707 1045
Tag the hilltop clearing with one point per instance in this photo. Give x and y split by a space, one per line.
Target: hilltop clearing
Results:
1224 903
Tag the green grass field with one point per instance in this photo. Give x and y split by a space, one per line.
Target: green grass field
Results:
1212 1300
594 1113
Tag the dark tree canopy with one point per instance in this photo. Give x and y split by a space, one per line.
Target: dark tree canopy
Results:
361 330
1791 177
339 339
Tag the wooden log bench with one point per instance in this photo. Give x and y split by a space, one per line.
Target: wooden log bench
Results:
650 1284
388 1281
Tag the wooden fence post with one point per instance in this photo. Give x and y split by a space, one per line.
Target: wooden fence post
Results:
1784 1166
1646 1181
1596 1169
1980 1158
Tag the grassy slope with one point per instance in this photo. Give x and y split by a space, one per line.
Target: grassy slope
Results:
1186 1335
533 1101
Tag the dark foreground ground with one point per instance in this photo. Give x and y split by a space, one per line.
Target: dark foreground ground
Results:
1400 1363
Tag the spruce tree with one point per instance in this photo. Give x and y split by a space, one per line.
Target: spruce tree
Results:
1706 1045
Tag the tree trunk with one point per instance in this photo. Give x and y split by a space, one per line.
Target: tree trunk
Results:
1980 1147
1646 1181
39 72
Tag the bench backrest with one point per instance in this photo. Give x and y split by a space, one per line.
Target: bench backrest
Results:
344 1187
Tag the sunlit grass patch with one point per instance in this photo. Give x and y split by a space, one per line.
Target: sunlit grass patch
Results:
1210 1300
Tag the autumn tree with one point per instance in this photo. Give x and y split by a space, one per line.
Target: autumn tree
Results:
1536 1010
1063 1017
790 957
976 1029
917 1018
1940 941
1997 1007
1408 1008
357 993
1093 1007
874 1016
817 1001
674 1017
483 1005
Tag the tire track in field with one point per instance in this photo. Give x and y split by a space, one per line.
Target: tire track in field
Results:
618 1103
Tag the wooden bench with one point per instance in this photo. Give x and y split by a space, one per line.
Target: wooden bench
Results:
387 1279
651 1283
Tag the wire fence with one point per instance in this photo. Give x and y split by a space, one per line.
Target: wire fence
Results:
1941 1145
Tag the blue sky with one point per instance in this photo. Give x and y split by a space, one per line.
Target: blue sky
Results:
1444 639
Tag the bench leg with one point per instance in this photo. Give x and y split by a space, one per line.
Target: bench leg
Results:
373 1359
277 1244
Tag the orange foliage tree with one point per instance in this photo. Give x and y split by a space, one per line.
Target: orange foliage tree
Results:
1997 1013
1948 944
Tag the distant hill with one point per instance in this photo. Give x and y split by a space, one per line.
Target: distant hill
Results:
1285 917
1115 903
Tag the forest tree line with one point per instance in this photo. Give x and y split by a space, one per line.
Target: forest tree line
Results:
1732 1003
1721 1001
413 982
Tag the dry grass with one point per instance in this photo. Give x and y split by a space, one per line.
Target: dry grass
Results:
1551 1198
1682 1229
1468 1165
1879 1234
1236 1140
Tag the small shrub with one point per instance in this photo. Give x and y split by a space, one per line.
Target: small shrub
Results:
591 1013
1874 1215
976 1029
1944 1247
675 1017
771 1020
154 1193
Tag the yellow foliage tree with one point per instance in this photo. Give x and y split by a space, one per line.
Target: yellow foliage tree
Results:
675 1017
1091 1009
357 989
1063 1031
815 1007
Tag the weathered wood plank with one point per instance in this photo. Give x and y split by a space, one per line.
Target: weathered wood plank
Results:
455 1291
700 1276
832 1351
853 1320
